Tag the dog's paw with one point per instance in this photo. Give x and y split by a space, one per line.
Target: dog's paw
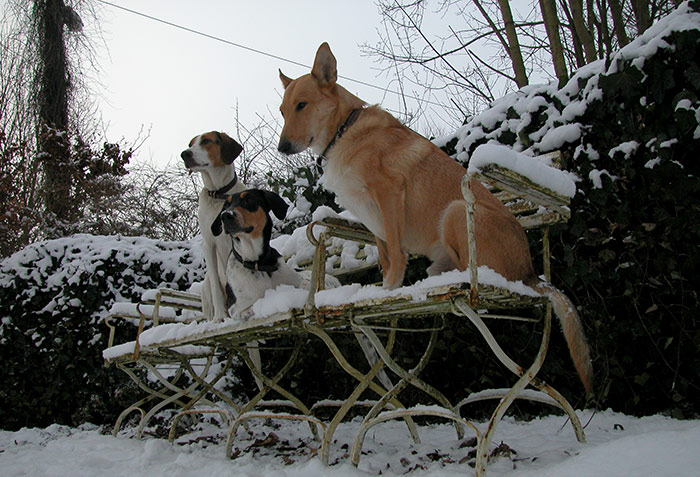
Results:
243 315
218 318
390 286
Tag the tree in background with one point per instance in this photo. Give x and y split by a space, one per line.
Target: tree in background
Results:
57 175
53 87
467 54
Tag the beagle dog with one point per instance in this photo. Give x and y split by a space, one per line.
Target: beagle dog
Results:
255 266
212 155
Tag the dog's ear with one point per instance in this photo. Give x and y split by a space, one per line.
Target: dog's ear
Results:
325 68
216 226
277 204
230 149
286 80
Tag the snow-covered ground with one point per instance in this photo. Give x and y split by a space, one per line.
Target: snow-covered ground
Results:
618 445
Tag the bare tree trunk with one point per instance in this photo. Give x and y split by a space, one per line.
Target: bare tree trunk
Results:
582 31
514 52
551 23
641 14
618 22
54 85
603 28
575 40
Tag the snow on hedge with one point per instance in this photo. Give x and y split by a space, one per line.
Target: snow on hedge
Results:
48 269
511 119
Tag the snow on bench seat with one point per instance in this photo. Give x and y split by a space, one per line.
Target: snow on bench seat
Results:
538 169
276 311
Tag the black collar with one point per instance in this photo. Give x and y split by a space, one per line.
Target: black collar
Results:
268 262
221 194
341 129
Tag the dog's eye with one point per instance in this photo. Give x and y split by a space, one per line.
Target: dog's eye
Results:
301 106
205 141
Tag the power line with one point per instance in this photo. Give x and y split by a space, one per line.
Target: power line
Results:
264 53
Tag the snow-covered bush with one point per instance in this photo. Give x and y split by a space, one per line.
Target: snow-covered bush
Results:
53 297
629 128
304 193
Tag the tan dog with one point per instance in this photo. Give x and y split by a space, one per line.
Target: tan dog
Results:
407 191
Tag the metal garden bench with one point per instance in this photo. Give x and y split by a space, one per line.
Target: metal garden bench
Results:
372 312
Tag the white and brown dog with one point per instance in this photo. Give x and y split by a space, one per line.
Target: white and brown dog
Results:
212 155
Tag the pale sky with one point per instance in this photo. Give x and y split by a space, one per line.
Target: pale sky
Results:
179 84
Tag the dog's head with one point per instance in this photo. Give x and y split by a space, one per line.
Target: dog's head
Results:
309 105
247 213
212 149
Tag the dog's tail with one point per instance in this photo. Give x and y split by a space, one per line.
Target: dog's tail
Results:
565 310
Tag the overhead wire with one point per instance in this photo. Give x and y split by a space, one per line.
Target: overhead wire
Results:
261 52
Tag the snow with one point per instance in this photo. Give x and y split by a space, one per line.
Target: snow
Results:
617 445
276 302
557 137
80 257
535 170
297 250
596 177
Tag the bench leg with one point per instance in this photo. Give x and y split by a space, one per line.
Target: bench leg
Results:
365 381
526 377
407 377
152 395
271 384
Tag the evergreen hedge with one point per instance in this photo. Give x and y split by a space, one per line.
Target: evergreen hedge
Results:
53 298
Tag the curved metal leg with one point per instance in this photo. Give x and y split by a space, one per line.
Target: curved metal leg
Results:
177 392
365 381
407 377
152 394
134 407
206 387
410 377
462 308
405 382
271 384
402 413
209 386
525 377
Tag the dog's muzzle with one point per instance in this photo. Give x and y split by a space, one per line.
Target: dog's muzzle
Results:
188 157
287 147
231 223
